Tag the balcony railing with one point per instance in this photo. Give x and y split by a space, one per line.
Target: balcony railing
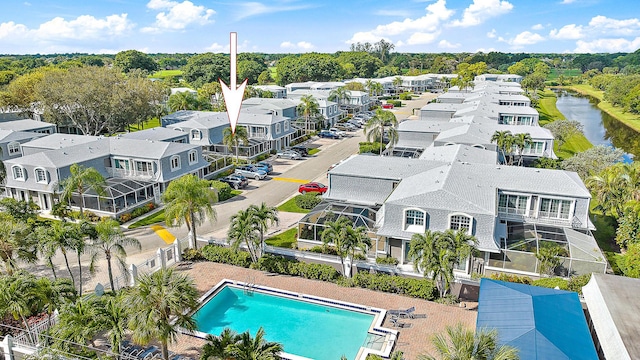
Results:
131 174
527 218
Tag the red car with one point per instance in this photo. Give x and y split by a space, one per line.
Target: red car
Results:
312 187
387 106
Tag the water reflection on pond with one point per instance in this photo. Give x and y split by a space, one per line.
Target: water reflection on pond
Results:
599 127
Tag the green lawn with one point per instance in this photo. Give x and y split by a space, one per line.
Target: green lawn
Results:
284 239
290 206
149 220
161 74
151 123
548 113
566 72
273 71
313 151
627 118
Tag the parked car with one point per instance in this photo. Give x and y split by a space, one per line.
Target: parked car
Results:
236 181
345 126
340 133
301 149
288 154
328 134
312 187
354 123
387 106
251 171
263 165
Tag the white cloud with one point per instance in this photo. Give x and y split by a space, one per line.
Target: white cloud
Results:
444 44
217 48
607 45
253 8
301 45
522 39
481 10
567 32
567 1
419 31
176 15
491 34
610 26
84 27
537 27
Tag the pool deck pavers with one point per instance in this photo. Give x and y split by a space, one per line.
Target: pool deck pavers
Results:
413 341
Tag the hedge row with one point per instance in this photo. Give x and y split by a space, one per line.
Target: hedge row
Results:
308 201
281 265
418 288
226 255
575 283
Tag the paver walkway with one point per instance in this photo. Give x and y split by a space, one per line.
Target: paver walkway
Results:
412 341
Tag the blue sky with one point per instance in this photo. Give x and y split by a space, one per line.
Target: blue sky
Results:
276 26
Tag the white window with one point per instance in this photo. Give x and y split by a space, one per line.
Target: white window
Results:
18 173
535 148
414 220
121 164
196 134
555 208
144 166
175 163
278 128
41 176
14 148
513 204
193 157
460 222
286 125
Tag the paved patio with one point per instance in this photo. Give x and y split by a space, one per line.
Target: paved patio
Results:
412 341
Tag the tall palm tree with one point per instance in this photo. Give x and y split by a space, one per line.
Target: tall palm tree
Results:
521 141
81 180
254 348
244 229
338 94
463 344
77 322
52 294
376 89
397 82
86 231
183 100
383 121
233 139
216 346
189 200
369 86
160 304
502 138
112 316
111 243
345 238
14 243
264 215
308 108
59 235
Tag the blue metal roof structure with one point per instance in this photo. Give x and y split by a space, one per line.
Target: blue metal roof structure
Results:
541 323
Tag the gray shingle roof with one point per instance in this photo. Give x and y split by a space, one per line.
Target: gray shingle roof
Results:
198 119
459 153
157 134
269 103
10 135
59 141
384 167
24 125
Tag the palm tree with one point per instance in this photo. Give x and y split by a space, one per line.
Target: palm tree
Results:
77 322
81 180
308 108
397 82
14 243
522 141
548 259
189 200
183 100
376 89
161 303
345 238
244 229
254 348
463 344
609 190
17 296
216 346
233 139
59 235
376 126
369 86
52 294
264 215
502 138
338 94
111 242
86 230
112 316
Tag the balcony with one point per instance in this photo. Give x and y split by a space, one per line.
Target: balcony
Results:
131 174
528 217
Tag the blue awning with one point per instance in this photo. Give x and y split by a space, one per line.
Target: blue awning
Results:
541 323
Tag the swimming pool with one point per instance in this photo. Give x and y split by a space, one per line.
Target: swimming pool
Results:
306 328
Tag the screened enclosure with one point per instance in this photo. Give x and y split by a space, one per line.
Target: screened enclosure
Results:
120 195
311 226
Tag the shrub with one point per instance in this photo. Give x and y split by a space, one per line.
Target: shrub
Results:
552 283
308 201
387 260
281 265
319 249
396 103
448 299
418 288
192 255
512 278
577 282
225 255
404 96
91 216
359 256
223 189
369 147
125 217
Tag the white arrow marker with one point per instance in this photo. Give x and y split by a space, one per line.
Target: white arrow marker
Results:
233 94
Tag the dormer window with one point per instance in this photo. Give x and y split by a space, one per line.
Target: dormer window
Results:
14 148
286 125
196 134
461 222
175 163
41 176
414 220
278 128
193 157
18 173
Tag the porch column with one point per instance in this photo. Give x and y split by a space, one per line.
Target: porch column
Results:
7 347
178 251
162 259
133 275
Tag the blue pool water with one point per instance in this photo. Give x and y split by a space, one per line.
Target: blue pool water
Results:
305 329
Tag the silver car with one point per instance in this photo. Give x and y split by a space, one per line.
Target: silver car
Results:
251 172
288 154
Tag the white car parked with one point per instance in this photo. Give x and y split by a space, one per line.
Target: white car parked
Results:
337 132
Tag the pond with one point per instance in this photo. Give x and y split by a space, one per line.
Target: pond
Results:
600 128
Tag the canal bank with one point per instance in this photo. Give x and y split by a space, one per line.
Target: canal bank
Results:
631 120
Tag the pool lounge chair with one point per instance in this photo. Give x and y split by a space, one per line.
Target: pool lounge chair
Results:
401 311
396 323
408 313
